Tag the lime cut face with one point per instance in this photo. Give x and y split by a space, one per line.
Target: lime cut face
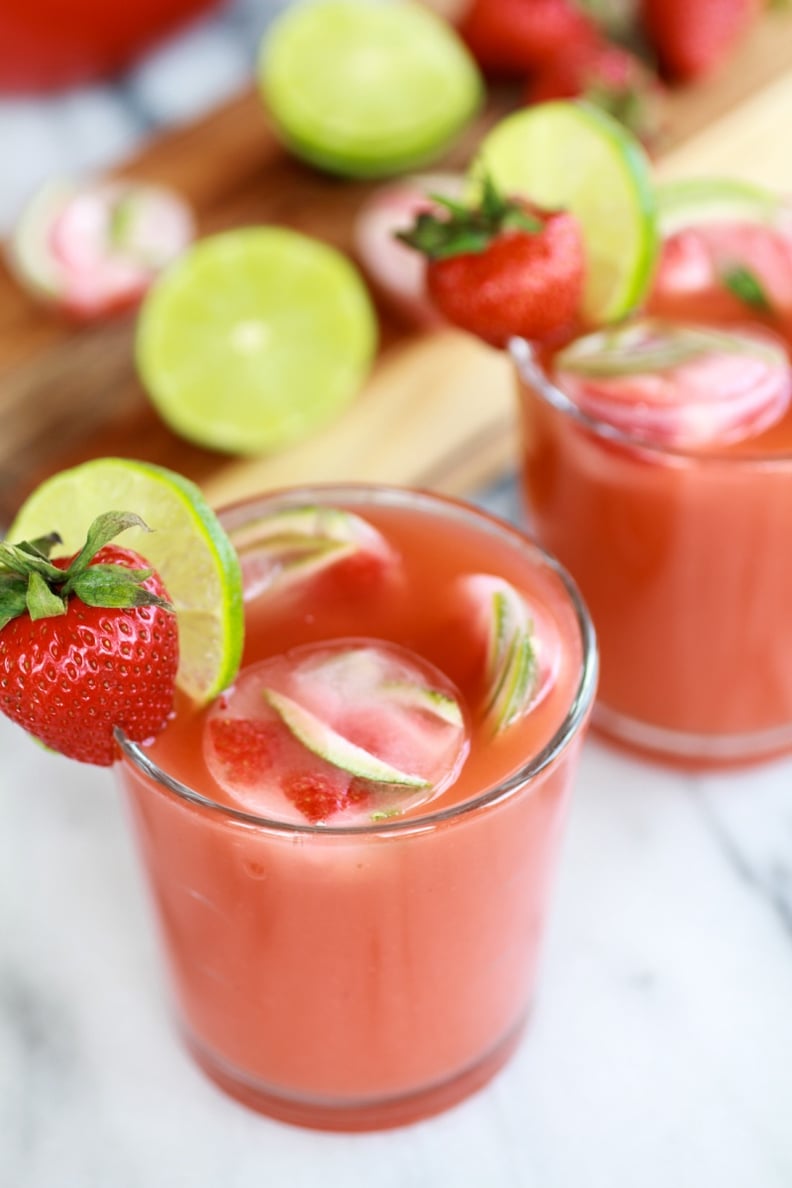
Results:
575 157
255 339
186 545
367 89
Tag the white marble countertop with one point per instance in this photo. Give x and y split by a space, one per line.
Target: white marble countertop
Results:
660 1054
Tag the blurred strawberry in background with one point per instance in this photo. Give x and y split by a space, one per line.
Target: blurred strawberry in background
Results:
49 44
694 37
609 76
512 37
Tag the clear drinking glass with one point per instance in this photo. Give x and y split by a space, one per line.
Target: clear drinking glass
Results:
361 976
683 558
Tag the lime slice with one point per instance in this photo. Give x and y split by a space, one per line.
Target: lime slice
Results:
367 89
574 156
328 744
187 547
255 338
701 201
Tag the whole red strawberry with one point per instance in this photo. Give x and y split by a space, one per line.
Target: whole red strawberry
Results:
513 37
693 37
503 269
86 643
608 76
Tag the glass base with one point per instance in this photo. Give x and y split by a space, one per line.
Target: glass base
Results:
691 750
379 1114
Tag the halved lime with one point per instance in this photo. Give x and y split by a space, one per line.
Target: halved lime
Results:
255 338
187 546
571 155
367 89
702 201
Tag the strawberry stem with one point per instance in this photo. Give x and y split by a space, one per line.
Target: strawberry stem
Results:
30 583
462 230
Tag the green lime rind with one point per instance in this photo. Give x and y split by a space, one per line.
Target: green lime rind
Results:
574 156
186 545
696 201
255 339
367 89
319 738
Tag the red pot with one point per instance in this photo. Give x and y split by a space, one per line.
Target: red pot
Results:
57 43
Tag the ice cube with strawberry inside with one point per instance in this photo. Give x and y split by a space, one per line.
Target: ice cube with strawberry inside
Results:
728 270
349 732
676 384
297 548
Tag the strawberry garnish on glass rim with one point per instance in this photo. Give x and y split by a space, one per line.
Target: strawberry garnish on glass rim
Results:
87 643
502 268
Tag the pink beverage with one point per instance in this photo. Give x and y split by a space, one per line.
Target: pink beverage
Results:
658 468
350 851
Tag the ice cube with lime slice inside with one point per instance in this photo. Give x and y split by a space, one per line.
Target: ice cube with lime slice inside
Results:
352 731
519 645
290 547
674 384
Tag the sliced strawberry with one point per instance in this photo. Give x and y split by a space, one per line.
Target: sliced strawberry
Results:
679 385
398 273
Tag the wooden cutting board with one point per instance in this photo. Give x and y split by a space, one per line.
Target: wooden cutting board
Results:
438 410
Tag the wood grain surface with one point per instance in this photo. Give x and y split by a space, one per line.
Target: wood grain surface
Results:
438 408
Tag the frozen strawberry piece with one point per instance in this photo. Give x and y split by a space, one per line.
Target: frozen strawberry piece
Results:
398 273
96 247
673 384
698 262
351 731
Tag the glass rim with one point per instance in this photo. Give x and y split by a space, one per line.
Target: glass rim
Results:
394 496
532 372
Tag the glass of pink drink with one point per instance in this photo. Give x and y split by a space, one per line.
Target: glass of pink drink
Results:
658 468
348 952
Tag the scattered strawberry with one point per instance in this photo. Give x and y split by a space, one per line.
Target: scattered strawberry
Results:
608 76
86 643
513 37
694 37
503 268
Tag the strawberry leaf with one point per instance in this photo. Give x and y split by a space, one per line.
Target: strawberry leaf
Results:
41 602
18 559
104 529
458 230
13 598
115 586
746 286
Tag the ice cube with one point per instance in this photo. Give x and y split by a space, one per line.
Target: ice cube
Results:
296 545
352 731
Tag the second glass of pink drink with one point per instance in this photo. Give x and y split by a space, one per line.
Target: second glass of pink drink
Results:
350 852
658 468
